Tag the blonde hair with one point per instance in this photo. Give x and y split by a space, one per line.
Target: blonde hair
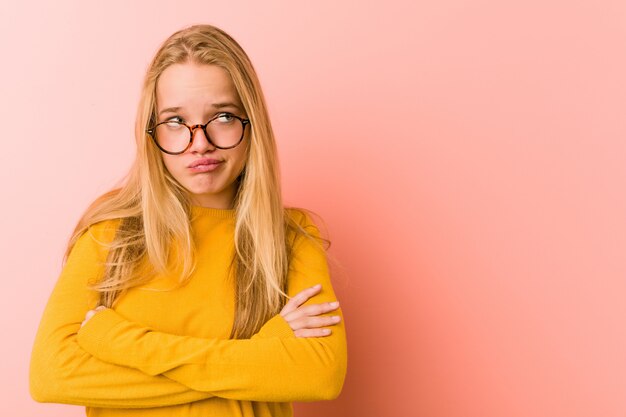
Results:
153 209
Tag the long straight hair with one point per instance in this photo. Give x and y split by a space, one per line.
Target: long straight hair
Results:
152 210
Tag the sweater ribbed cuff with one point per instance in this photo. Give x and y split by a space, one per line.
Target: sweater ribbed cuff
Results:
277 326
93 334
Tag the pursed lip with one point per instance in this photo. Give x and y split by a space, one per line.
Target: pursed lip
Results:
204 161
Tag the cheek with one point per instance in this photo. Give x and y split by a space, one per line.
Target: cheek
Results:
170 165
243 156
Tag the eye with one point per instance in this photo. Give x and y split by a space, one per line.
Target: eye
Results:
225 118
174 121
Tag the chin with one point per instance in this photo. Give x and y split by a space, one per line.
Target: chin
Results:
205 189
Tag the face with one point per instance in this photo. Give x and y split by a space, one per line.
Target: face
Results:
194 93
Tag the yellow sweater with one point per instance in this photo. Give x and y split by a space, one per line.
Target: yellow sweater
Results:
167 352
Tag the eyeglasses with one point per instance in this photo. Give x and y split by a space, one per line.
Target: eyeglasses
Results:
224 131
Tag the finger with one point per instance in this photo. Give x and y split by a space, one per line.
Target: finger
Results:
311 310
314 322
300 298
90 314
304 295
313 332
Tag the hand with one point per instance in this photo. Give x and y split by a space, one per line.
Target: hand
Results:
304 321
91 313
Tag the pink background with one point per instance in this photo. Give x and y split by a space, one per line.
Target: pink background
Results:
467 156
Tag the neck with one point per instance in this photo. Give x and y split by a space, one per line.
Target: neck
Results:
224 200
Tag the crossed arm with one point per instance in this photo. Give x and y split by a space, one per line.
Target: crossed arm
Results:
267 367
113 362
63 372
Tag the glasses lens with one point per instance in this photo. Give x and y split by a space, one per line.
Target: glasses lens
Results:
172 136
225 131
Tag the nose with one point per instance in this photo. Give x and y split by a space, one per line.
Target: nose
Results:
200 142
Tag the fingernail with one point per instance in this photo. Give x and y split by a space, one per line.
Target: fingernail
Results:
317 286
334 304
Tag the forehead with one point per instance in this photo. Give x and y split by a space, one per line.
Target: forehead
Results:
191 85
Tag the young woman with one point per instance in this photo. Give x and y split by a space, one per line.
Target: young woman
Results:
191 290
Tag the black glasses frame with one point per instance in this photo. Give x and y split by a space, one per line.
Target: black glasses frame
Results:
152 131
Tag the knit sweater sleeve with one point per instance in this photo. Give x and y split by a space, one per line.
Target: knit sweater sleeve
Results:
273 365
62 372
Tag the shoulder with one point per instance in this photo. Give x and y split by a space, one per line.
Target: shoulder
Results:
301 228
95 239
300 219
102 232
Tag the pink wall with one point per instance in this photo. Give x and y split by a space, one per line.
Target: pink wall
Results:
467 156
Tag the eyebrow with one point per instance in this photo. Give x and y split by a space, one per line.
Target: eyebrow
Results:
214 105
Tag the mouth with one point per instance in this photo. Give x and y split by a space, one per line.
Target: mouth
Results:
204 165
